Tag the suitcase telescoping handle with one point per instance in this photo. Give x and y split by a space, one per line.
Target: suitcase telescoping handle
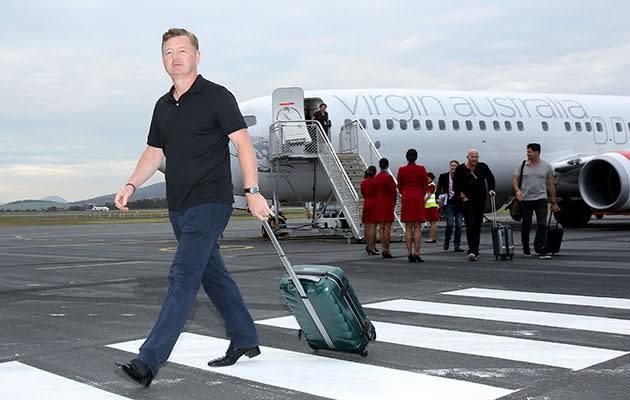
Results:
284 259
493 204
298 285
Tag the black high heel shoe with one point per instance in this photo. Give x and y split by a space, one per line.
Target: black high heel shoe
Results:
411 258
370 251
386 254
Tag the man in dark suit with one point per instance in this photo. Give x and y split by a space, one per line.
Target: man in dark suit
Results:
452 207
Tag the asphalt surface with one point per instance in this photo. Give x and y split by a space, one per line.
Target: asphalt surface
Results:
69 292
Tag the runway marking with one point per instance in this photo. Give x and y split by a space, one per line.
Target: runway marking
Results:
526 350
322 376
569 321
22 382
93 265
224 247
591 301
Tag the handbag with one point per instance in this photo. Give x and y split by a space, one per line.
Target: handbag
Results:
515 205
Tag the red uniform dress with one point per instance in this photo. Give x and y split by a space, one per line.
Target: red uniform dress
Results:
412 184
385 197
368 191
432 213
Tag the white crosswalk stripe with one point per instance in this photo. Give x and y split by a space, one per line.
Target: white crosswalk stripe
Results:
558 320
331 378
525 350
22 382
607 302
353 379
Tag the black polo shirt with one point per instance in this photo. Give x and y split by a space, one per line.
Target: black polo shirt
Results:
193 133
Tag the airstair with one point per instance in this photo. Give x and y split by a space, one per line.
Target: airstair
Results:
344 168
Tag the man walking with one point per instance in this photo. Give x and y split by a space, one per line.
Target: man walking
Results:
192 126
473 180
539 178
452 208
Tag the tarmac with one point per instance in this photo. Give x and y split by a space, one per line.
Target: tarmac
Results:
77 298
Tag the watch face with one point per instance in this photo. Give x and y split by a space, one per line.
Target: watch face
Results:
254 190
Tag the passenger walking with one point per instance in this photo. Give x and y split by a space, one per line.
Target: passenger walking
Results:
368 217
473 182
322 117
412 185
538 180
452 206
431 208
192 126
385 204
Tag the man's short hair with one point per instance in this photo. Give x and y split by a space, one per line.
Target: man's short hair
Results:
323 104
534 147
412 155
383 163
175 32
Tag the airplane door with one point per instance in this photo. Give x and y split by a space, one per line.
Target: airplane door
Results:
620 135
288 105
600 131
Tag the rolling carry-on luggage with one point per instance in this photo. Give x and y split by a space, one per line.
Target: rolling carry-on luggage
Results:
324 305
554 237
502 236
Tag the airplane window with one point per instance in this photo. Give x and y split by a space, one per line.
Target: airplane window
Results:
456 125
599 127
567 126
416 124
482 125
578 127
629 126
618 126
519 125
496 125
469 125
588 126
508 126
376 123
363 123
545 126
429 124
442 124
403 124
250 120
390 124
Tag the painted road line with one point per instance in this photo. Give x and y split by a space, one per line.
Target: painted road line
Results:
322 376
590 301
569 321
22 382
516 349
94 265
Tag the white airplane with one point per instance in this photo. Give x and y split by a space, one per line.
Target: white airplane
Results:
585 138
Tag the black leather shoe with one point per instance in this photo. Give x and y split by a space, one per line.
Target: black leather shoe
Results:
137 371
233 354
411 258
458 250
418 258
386 254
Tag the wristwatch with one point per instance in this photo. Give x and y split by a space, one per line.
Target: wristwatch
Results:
252 190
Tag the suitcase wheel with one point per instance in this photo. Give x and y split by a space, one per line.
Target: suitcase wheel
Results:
511 257
364 353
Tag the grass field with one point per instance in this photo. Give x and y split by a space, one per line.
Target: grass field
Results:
106 217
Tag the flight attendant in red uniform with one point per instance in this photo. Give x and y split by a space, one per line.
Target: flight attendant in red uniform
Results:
368 192
385 204
412 185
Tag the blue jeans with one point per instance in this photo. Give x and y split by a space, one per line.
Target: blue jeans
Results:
454 217
527 210
198 262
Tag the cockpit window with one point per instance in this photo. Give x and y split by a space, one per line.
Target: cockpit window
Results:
250 120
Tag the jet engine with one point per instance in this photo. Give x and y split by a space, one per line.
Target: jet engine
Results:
604 181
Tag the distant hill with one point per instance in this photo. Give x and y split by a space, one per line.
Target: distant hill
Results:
38 205
56 199
155 191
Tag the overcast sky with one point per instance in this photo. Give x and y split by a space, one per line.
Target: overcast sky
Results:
80 79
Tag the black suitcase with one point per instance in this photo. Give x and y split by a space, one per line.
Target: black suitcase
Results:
502 237
554 236
324 305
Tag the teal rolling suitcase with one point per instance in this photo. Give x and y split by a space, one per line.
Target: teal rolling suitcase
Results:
325 306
